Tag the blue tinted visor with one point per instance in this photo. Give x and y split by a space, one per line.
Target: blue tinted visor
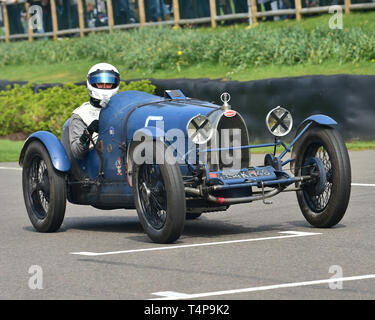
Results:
104 77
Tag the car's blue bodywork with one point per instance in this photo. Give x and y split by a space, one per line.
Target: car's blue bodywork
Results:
318 119
104 183
54 147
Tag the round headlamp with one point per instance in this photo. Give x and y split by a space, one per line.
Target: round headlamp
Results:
279 121
199 129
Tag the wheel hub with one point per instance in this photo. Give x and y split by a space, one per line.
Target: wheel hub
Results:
314 167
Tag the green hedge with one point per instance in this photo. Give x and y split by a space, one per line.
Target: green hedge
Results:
22 110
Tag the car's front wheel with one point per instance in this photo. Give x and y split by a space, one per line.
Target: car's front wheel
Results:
324 200
159 195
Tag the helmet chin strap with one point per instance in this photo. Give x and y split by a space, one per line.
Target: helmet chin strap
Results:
95 102
99 103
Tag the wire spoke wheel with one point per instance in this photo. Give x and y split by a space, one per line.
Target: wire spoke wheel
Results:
152 195
44 189
324 199
39 191
159 195
318 202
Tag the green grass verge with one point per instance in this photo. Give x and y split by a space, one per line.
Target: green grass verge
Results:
360 145
260 53
76 72
10 150
351 145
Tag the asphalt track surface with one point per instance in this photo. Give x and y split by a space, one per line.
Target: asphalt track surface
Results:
252 251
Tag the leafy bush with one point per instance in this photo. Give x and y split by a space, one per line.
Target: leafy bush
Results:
23 110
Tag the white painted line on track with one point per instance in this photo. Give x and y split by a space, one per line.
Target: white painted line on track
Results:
10 168
363 184
171 295
288 234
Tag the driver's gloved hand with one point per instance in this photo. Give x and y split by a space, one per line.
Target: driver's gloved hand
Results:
93 127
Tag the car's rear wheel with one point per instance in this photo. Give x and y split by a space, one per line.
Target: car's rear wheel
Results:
159 196
324 200
44 189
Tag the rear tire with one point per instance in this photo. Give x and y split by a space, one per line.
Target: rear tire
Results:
44 189
327 208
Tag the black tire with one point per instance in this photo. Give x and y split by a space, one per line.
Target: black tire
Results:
44 189
159 196
327 208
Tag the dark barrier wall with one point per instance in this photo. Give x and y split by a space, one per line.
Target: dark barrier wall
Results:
5 83
36 87
349 99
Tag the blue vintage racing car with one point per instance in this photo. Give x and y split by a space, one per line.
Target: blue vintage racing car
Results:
173 158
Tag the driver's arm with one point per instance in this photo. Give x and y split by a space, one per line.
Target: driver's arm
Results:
76 129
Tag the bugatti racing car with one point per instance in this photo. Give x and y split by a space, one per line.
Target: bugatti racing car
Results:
173 158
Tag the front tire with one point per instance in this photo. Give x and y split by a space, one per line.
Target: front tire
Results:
159 196
44 189
327 207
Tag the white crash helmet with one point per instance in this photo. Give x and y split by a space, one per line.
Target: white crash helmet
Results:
99 74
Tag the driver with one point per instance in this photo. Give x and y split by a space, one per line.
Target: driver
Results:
103 81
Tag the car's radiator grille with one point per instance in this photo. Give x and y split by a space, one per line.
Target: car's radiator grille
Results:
231 131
